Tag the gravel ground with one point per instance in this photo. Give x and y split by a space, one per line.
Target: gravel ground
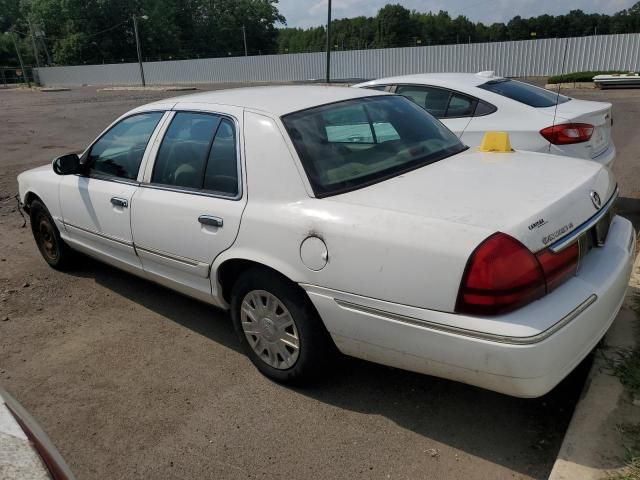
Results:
131 380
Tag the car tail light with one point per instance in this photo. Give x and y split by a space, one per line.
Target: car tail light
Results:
558 267
568 133
502 275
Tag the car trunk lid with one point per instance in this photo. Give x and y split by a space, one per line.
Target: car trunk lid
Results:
536 198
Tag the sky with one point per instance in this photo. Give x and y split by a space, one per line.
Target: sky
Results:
310 13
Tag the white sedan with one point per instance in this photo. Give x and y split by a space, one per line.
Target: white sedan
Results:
326 217
472 104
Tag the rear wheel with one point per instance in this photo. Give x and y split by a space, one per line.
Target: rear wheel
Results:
52 248
278 327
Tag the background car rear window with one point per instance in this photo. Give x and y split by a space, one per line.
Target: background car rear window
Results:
348 145
118 152
198 152
524 93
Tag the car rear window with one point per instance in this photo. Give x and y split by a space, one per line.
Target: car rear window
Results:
524 93
348 145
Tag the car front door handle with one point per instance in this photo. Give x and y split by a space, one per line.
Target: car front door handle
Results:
119 202
210 221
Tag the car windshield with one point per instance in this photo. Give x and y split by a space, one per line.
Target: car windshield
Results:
524 93
351 144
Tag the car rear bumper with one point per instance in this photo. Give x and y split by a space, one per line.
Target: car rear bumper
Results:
605 158
525 353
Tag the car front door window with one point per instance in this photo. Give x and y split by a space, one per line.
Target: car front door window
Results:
118 153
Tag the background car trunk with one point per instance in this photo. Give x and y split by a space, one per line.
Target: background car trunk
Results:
597 114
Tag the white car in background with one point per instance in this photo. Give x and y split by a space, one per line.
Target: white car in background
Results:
26 452
472 104
326 217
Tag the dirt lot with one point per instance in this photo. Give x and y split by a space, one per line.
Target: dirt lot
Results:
131 380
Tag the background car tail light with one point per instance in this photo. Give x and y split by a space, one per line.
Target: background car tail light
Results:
568 133
558 267
502 275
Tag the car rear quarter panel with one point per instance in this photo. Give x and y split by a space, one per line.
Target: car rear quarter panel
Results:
378 253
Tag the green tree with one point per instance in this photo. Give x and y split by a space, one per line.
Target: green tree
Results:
395 27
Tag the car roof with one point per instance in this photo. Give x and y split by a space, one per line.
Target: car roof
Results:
452 79
276 100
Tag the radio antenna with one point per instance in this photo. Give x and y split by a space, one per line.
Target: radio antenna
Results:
564 59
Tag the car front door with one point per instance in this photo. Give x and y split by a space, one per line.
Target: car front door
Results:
96 205
453 109
188 208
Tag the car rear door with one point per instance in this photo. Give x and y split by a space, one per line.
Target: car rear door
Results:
95 206
188 208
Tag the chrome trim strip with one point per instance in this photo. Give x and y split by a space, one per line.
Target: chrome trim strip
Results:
472 333
99 234
202 193
177 258
568 239
107 178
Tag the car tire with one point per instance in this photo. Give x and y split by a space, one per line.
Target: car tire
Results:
47 236
268 333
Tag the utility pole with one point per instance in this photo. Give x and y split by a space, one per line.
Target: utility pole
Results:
44 46
33 43
15 44
329 42
244 37
135 28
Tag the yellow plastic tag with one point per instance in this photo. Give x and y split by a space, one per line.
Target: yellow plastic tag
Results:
497 142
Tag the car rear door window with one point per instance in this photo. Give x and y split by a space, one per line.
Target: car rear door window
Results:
221 174
524 93
460 106
417 95
439 102
182 156
118 153
198 152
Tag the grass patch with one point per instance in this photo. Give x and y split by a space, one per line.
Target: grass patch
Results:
626 366
631 472
580 76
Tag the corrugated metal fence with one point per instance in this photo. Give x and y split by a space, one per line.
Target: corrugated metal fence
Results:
514 59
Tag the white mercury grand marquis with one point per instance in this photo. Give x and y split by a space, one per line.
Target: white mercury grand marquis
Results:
326 217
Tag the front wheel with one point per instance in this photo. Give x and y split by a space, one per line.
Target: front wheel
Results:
278 327
52 248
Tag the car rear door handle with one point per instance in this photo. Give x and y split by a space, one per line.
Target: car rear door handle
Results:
210 220
119 202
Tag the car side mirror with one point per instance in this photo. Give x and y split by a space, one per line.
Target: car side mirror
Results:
67 164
